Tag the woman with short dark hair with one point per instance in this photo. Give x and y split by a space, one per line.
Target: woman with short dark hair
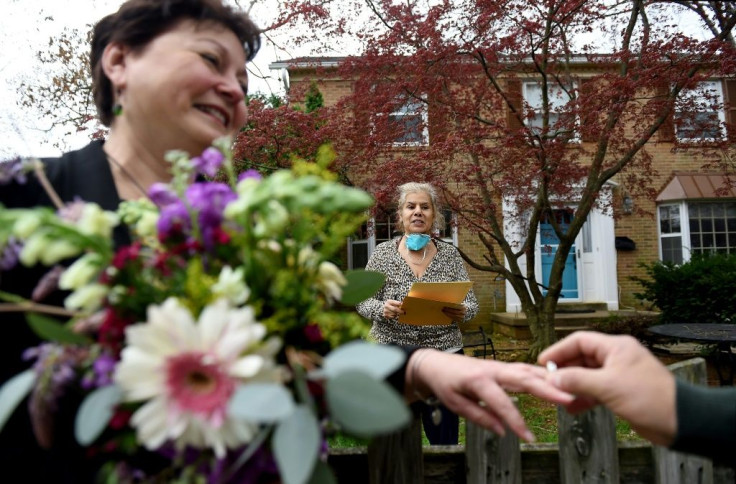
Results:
167 75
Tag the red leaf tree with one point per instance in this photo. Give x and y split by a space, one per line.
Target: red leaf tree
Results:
502 164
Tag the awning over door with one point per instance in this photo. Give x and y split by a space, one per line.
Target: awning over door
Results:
698 185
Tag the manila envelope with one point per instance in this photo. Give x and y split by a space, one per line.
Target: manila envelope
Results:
423 305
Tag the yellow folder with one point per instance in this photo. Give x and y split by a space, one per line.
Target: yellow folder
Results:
423 305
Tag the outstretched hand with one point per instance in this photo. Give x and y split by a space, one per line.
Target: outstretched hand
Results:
618 372
476 389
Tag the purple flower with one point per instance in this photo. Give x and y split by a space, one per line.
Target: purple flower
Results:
249 174
208 200
9 253
72 211
104 366
48 283
162 195
13 171
174 218
208 162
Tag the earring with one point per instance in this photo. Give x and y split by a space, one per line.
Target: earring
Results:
117 108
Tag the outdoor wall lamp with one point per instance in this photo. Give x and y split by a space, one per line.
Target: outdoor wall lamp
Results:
627 204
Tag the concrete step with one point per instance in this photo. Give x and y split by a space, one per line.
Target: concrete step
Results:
516 326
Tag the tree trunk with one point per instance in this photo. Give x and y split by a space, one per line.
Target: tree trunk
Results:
542 326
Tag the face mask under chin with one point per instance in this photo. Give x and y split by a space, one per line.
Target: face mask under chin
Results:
417 241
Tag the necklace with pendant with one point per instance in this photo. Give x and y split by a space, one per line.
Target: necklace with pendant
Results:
424 256
127 174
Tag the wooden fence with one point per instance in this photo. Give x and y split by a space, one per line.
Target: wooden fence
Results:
587 452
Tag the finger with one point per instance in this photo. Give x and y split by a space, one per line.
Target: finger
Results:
501 407
471 410
581 382
579 347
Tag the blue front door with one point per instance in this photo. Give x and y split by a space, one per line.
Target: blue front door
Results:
549 243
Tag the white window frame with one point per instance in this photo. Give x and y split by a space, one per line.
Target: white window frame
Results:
556 94
371 241
412 107
684 234
716 88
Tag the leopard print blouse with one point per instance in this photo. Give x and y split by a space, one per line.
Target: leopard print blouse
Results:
446 266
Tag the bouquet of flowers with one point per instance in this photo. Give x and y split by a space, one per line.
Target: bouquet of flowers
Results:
203 340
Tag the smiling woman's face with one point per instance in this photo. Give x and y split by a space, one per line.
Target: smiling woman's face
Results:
417 214
186 87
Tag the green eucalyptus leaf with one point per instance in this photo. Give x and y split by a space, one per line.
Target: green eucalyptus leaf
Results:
322 474
296 444
52 330
13 392
95 412
378 361
261 402
365 406
14 298
361 286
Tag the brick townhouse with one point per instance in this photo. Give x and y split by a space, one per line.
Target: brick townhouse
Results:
688 215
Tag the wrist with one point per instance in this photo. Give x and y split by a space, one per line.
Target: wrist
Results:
416 385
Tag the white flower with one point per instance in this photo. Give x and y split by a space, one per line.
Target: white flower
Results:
272 220
58 250
146 225
87 298
95 221
26 225
187 371
33 248
330 280
81 271
231 286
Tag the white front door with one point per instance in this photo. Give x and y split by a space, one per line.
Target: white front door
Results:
592 264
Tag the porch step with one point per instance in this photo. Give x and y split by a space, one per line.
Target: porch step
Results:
516 326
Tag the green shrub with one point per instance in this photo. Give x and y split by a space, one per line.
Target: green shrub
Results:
634 324
700 291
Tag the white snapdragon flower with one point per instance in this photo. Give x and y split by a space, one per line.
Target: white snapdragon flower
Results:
231 286
331 280
95 221
87 298
81 272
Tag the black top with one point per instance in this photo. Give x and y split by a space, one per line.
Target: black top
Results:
706 421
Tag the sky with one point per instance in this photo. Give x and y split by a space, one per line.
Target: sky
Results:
25 28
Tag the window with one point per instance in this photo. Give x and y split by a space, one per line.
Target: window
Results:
696 228
409 122
383 228
699 113
558 100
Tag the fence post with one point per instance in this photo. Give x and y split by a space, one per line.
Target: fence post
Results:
397 458
672 467
491 459
588 447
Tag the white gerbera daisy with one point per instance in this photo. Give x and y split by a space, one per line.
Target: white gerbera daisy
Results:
188 371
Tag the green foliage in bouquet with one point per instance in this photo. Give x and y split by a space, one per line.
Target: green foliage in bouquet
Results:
204 339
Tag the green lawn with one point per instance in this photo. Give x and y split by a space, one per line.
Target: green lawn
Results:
540 416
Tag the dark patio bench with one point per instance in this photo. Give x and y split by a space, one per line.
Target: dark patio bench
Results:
479 339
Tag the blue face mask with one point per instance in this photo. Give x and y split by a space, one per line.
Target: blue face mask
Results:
417 241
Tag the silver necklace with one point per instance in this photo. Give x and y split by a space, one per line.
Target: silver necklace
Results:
127 174
424 256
